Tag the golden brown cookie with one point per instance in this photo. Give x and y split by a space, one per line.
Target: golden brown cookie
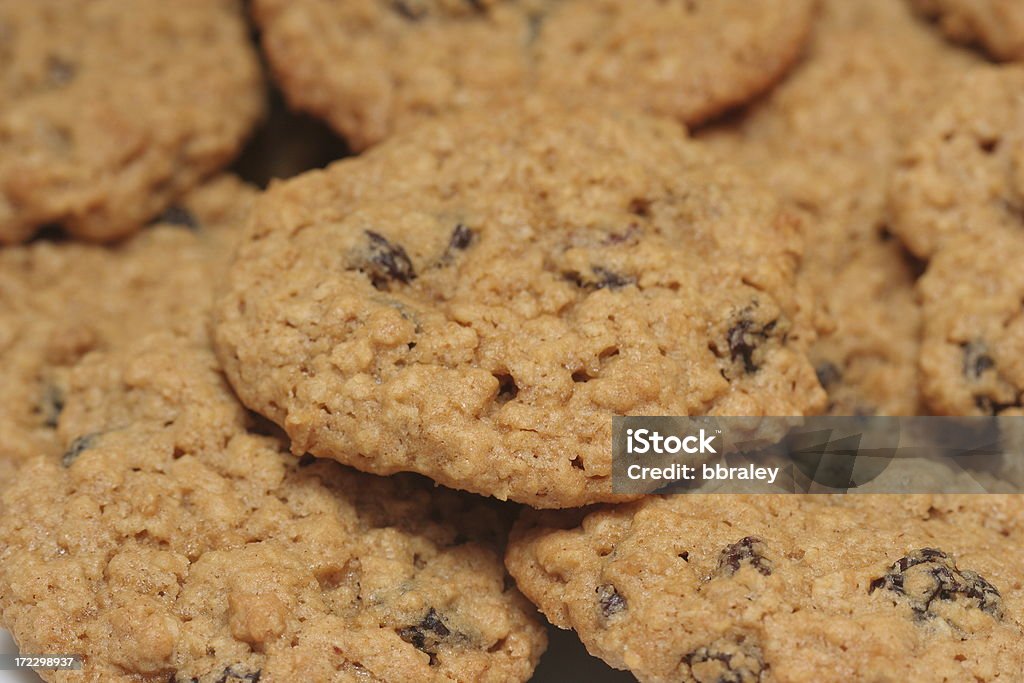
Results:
998 25
371 66
962 171
110 109
766 589
170 542
832 157
972 356
866 355
61 300
476 299
958 198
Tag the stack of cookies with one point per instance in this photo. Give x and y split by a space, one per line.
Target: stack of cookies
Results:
356 425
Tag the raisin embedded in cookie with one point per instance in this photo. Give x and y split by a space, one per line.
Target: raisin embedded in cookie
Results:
832 157
958 198
369 66
962 172
869 337
61 300
475 300
110 109
171 542
972 355
765 589
998 25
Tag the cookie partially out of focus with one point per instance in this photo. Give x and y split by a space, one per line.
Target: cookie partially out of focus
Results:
832 157
111 109
61 300
371 67
958 199
997 25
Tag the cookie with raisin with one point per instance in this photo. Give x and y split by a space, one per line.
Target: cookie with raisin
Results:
112 109
961 174
764 589
60 300
832 158
177 539
958 199
474 300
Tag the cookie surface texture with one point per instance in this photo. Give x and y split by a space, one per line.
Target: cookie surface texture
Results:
170 542
997 25
371 66
832 158
61 300
474 301
765 589
111 109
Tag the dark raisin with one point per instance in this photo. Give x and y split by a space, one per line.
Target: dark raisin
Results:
988 145
610 600
976 359
411 10
178 215
427 635
461 238
828 374
59 71
600 278
745 336
82 443
640 207
51 405
928 575
233 674
387 262
990 406
726 662
747 550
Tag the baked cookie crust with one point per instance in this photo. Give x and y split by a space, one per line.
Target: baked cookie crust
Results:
475 300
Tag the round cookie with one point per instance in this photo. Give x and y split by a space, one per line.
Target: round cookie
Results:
475 300
110 109
370 66
61 300
958 198
962 173
171 542
997 24
832 157
870 327
972 355
759 589
690 60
